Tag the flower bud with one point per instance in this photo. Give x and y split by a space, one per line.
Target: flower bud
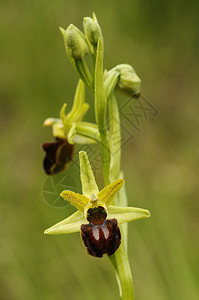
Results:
129 82
76 42
91 30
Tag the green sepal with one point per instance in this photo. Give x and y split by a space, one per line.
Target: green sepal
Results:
108 193
68 225
78 101
89 185
75 199
127 214
121 200
84 133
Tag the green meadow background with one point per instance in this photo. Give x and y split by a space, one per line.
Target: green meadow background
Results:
160 39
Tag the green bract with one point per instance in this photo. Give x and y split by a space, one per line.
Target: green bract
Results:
93 198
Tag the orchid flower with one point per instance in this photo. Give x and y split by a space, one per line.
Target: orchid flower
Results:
68 130
96 218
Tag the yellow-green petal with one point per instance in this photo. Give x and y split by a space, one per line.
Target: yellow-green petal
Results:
68 225
82 113
127 214
75 199
62 113
108 193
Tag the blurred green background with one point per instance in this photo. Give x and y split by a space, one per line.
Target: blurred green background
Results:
160 39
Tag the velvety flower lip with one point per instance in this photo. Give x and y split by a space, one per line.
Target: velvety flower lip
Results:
58 155
101 239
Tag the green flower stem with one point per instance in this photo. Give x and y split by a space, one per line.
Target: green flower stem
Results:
121 265
119 259
94 56
84 72
123 201
105 156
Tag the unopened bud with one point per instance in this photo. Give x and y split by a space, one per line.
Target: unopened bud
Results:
91 30
128 83
76 42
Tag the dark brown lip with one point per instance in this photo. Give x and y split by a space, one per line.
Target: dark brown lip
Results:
58 155
101 239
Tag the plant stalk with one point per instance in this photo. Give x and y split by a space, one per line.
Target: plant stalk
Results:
111 152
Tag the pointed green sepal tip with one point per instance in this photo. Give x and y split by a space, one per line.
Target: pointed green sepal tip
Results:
89 185
65 229
127 214
68 225
63 32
